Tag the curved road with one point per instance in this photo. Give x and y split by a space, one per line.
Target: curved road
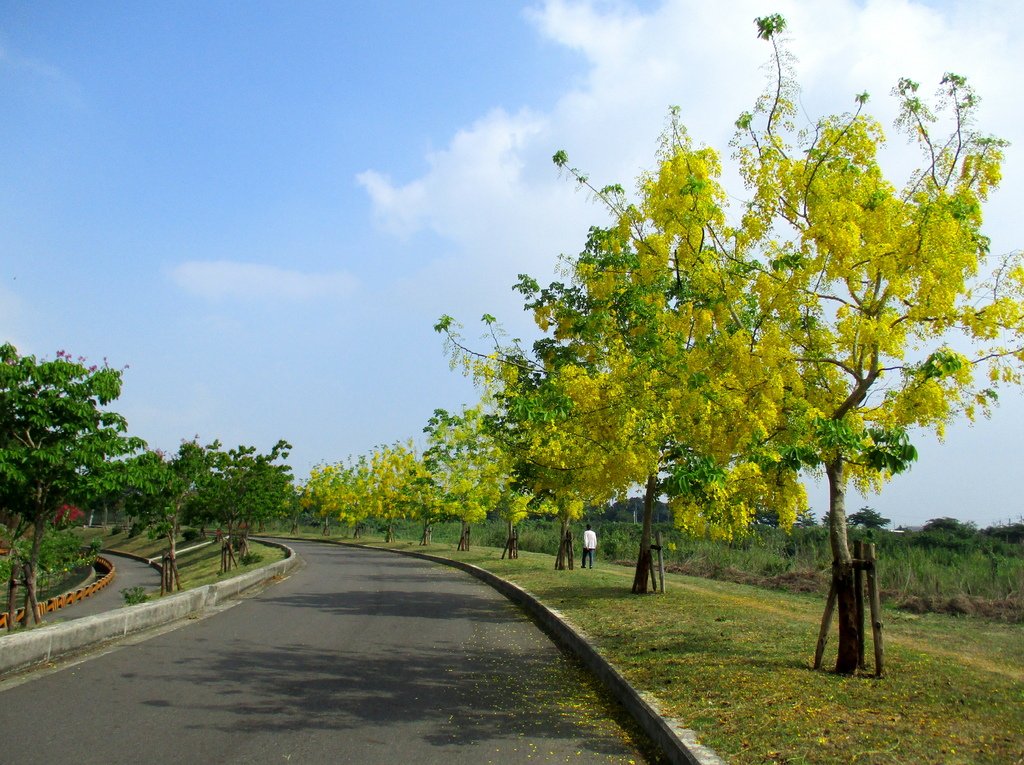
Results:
361 656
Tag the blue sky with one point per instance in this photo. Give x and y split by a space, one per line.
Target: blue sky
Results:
262 208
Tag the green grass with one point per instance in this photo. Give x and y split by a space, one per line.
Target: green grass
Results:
733 662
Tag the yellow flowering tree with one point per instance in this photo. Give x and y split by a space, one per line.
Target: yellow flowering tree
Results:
876 302
465 465
392 485
715 359
335 490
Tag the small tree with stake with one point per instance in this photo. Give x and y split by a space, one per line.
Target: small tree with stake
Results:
882 306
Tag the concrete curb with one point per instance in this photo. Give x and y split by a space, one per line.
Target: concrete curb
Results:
42 644
679 744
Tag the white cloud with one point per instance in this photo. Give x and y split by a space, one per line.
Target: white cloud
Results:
495 178
45 77
220 279
483 163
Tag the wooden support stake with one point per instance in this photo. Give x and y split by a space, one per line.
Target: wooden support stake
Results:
12 595
661 562
512 545
826 622
876 610
858 594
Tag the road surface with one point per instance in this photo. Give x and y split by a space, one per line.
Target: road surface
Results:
361 656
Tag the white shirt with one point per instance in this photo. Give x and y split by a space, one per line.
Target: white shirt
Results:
589 540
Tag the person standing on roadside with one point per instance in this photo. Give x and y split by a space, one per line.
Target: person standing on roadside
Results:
589 545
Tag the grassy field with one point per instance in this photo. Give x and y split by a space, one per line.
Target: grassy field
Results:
733 662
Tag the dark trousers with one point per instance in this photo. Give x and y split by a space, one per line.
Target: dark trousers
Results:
587 554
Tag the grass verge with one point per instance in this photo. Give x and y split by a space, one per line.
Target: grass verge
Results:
733 662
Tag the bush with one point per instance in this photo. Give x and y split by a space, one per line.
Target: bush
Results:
134 595
247 559
190 535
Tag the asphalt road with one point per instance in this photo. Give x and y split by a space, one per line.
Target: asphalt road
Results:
360 657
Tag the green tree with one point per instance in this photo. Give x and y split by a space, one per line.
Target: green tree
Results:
869 518
173 483
55 438
242 488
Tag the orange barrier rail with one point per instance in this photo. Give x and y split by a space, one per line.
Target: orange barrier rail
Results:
69 598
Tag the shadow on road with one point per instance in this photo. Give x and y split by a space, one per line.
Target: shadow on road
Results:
485 696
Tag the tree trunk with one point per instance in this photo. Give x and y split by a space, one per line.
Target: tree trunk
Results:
227 555
842 570
643 562
427 534
172 558
464 537
31 599
30 572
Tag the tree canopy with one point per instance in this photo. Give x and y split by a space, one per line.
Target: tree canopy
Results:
721 352
56 439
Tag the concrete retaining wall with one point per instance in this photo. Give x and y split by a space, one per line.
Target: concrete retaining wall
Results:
35 646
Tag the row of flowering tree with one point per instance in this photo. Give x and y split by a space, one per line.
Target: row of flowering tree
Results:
716 355
462 475
61 447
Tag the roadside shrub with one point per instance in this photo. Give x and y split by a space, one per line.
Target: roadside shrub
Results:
190 535
134 595
247 559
